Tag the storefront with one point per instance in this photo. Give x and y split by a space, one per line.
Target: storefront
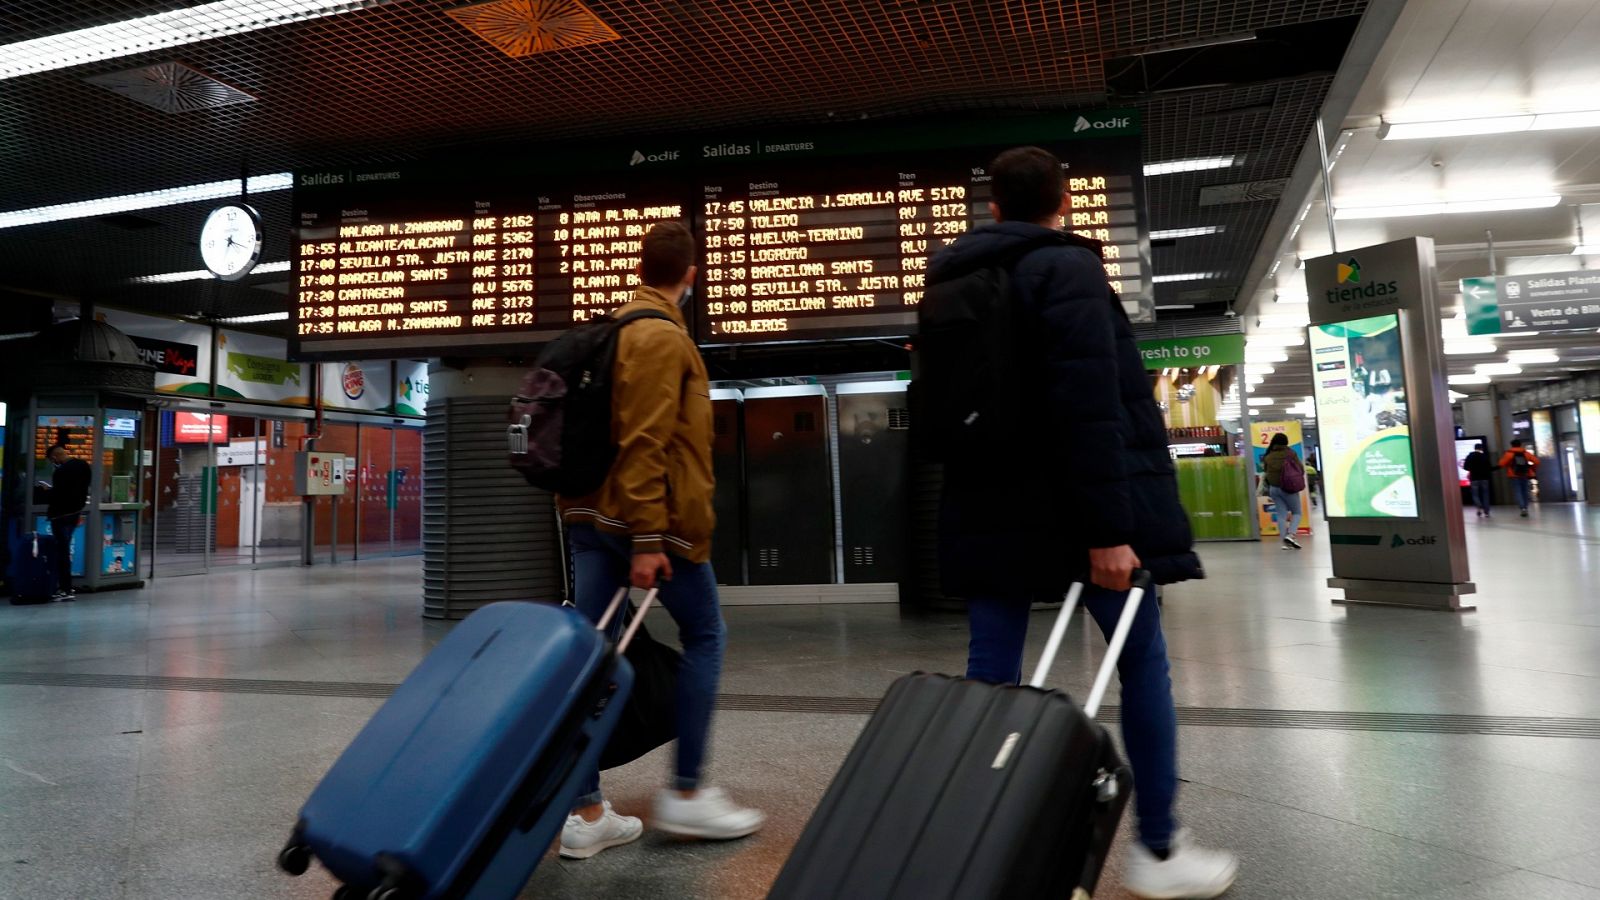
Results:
199 474
1197 381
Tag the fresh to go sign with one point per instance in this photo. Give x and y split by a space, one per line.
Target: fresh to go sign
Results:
1208 350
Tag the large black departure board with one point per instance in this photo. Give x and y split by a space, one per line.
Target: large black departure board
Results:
819 236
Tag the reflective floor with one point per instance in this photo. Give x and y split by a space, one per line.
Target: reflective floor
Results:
117 784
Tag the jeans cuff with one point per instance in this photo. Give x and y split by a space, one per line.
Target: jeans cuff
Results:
588 800
680 783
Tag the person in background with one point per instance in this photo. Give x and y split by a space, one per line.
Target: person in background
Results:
68 493
1479 469
1279 455
650 526
1522 467
1105 500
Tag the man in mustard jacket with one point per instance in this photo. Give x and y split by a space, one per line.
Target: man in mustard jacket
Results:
650 526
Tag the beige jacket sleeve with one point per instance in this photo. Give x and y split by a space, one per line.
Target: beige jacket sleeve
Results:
647 393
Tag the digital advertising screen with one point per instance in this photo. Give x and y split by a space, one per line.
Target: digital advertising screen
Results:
1544 434
1358 379
1464 447
1588 421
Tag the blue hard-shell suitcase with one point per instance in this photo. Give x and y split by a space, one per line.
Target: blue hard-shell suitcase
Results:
33 569
464 777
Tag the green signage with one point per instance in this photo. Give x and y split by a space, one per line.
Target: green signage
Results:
1185 352
1482 305
263 369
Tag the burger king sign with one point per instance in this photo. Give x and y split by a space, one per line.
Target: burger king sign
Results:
354 381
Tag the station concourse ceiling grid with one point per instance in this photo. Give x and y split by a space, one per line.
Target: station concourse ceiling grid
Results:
405 79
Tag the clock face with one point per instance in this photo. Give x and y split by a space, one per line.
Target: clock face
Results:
230 242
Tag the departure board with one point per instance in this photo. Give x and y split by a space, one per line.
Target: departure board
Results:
788 259
824 235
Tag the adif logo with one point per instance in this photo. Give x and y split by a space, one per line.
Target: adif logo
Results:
1350 272
1397 542
664 156
1422 541
1083 124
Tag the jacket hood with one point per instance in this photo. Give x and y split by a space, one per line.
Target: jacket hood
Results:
985 244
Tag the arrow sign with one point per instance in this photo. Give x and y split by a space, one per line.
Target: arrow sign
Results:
1482 302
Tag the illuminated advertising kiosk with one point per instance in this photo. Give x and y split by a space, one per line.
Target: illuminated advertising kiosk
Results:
1393 502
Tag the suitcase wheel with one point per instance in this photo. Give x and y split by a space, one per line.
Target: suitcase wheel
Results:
295 859
385 892
345 892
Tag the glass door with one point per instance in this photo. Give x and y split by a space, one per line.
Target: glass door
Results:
181 484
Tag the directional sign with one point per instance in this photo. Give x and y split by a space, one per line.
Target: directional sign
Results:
1482 305
1548 301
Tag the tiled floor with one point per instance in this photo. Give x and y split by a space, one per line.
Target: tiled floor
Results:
113 792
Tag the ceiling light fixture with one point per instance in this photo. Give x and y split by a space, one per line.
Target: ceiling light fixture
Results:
1184 276
1445 207
1508 124
1198 164
1258 369
1264 355
259 317
203 274
1469 379
1493 369
1176 306
190 193
1291 298
1533 357
1198 231
161 30
1469 348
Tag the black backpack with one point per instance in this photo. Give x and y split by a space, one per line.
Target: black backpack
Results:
559 435
1520 466
972 364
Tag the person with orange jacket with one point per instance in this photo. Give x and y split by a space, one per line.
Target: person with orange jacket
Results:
1522 467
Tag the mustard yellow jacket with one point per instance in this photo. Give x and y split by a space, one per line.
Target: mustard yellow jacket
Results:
660 487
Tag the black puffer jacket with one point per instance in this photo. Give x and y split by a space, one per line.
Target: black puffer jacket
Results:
1100 474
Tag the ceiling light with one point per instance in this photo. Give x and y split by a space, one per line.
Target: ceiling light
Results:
1492 369
192 193
1457 396
155 32
1199 164
1554 121
1275 339
1176 306
1257 369
1506 334
1469 379
1405 131
202 274
260 317
1264 355
1260 401
1254 379
1184 276
1586 250
1533 357
1284 320
1294 298
1173 233
1469 348
1445 207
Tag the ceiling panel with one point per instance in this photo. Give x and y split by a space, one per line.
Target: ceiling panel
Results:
404 79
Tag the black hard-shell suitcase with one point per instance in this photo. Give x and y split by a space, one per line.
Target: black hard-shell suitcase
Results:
963 790
33 569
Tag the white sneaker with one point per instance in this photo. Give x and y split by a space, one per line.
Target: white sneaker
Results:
710 814
581 839
1187 872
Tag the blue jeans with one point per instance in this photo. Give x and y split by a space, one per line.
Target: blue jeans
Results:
1288 511
1524 490
1149 720
1481 496
602 563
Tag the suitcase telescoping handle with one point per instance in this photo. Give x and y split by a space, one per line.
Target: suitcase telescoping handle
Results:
1119 637
638 615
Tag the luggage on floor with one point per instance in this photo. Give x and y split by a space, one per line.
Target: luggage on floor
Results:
464 777
33 569
959 789
650 717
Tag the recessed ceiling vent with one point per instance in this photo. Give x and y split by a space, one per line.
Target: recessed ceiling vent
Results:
526 27
171 87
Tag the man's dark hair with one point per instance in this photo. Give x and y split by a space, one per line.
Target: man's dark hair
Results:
1027 184
54 448
1516 443
1280 440
1477 446
666 255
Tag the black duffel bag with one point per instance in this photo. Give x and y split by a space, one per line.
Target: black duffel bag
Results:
650 717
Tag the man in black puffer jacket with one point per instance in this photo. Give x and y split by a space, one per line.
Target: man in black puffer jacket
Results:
1096 495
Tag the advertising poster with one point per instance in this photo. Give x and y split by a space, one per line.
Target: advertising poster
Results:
254 367
1260 436
199 428
411 388
1588 421
1544 434
180 351
362 384
1358 378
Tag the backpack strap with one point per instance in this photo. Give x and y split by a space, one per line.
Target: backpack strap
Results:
638 314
